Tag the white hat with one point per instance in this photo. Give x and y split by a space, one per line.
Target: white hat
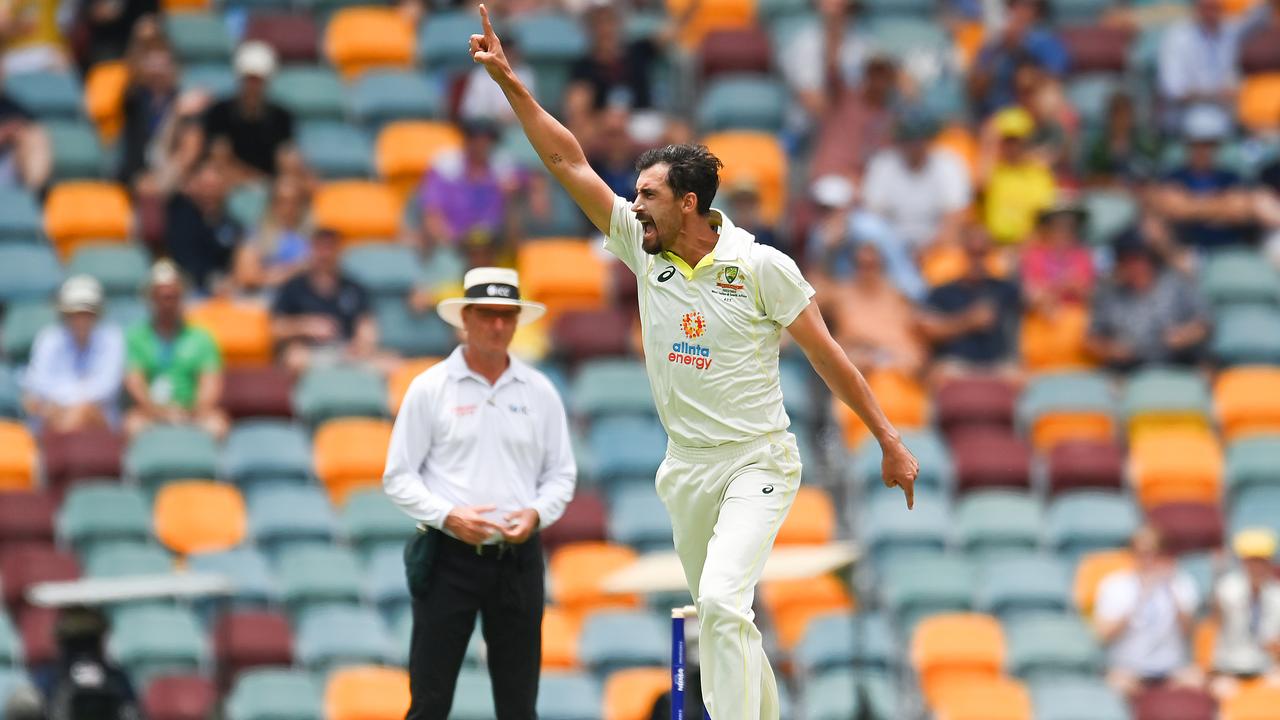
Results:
833 191
1205 123
80 293
255 58
490 286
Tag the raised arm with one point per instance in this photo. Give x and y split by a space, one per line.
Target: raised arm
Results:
558 148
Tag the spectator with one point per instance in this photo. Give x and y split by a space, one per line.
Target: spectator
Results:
248 133
993 72
278 250
200 235
73 378
858 123
321 315
148 102
1246 604
103 28
1057 269
1041 95
1018 184
872 320
1146 314
824 57
1198 62
30 39
83 682
972 322
173 370
922 191
1210 207
1123 149
483 100
742 198
26 159
843 225
613 153
615 73
1143 616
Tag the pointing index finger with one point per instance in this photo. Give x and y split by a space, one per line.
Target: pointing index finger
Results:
484 21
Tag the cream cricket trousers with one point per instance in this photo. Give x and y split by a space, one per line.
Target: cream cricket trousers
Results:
726 505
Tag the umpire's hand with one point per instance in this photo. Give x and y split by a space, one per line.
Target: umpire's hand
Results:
470 525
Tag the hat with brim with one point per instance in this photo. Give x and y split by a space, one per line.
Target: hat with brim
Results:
1255 543
493 287
1064 209
80 293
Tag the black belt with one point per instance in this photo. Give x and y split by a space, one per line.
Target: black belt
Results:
495 551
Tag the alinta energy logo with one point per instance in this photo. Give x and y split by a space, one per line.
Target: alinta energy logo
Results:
694 326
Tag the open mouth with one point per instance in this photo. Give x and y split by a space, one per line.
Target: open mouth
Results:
650 230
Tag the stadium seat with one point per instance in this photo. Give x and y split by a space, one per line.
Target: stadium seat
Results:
985 698
153 640
742 102
367 693
1089 95
28 273
569 696
311 93
1092 569
987 458
630 694
126 558
811 519
1110 213
336 150
1094 48
19 216
257 392
83 210
170 452
611 387
406 149
705 17
179 697
1186 527
10 644
1052 645
638 519
846 694
315 575
265 450
247 639
1255 507
198 37
998 520
904 400
1260 51
1055 343
26 518
929 449
887 526
384 581
792 604
380 97
612 640
1246 334
1066 406
284 516
293 35
560 631
577 571
215 79
371 521
19 457
360 210
626 447
26 566
324 393
1014 585
579 335
564 274
22 322
1076 699
1239 277
95 512
1254 701
242 330
385 271
48 95
1160 398
254 581
358 39
752 156
745 50
956 648
410 333
199 516
1088 520
837 640
585 519
1257 104
438 49
1251 462
926 584
473 696
400 379
77 154
104 89
1079 464
330 637
1176 465
1170 703
272 693
1247 401
11 394
122 269
974 401
350 453
551 42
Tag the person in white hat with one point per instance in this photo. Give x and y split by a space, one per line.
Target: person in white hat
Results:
76 368
480 458
1246 603
713 305
248 132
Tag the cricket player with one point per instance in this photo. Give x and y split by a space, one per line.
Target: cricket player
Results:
713 304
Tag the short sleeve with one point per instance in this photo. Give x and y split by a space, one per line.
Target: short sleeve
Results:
134 355
626 235
784 293
210 355
957 190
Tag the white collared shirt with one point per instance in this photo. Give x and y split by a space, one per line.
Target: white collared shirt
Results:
712 332
460 441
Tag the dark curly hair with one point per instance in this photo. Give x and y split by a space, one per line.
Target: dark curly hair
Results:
690 169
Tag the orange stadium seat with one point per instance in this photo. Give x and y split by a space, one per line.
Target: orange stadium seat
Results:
406 149
559 639
942 264
360 210
367 693
1237 7
753 156
711 15
350 453
104 88
241 329
1092 569
811 520
904 400
630 694
1257 700
1259 101
1176 465
577 571
193 516
361 38
563 273
999 698
1247 400
956 647
181 6
84 210
969 37
402 376
1057 342
791 604
1204 642
18 456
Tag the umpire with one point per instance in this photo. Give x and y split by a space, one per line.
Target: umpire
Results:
480 458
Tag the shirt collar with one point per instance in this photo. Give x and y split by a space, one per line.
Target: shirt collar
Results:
457 368
731 245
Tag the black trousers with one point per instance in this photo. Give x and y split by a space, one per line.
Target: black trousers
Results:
505 587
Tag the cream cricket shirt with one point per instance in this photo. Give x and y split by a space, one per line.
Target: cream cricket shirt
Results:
711 333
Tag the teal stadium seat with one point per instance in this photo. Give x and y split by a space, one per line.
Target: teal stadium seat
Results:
93 513
412 334
150 641
926 584
1240 277
28 272
1013 585
122 269
1202 567
311 93
1166 391
1078 12
611 387
170 452
551 42
742 102
1247 334
285 516
1064 392
372 522
473 696
1052 645
275 694
46 95
22 322
936 470
336 150
794 377
569 696
438 46
330 637
313 576
20 219
11 653
638 518
385 584
835 696
1253 461
1088 520
920 44
772 10
10 394
998 520
247 568
247 204
1077 699
330 392
888 529
198 37
382 96
627 447
126 311
1110 213
123 558
11 679
77 154
895 8
836 641
218 80
1255 507
616 639
266 451
385 270
565 218
1090 94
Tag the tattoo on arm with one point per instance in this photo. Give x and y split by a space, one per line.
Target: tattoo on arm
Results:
556 158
